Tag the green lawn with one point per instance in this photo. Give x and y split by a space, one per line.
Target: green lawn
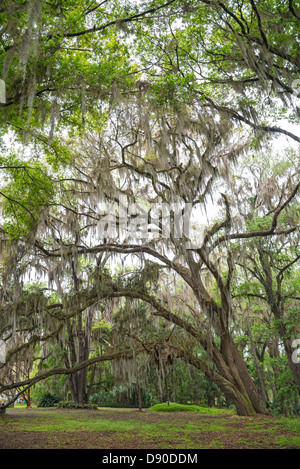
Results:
153 428
172 407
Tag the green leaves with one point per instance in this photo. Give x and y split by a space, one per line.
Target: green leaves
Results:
50 59
27 190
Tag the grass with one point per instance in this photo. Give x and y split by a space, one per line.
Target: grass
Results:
49 420
188 408
178 427
292 424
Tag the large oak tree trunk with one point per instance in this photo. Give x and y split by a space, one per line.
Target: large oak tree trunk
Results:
239 370
237 384
259 372
78 353
234 378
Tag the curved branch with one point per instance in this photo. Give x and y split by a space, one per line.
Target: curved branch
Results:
118 21
261 233
28 383
266 128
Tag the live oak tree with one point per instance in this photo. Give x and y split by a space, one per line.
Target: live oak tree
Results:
64 65
60 62
117 292
149 118
237 58
270 264
232 376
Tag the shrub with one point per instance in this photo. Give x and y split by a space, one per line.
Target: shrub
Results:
172 407
123 396
72 405
177 408
49 400
99 398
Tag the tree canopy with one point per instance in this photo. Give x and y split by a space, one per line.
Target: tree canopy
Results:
150 195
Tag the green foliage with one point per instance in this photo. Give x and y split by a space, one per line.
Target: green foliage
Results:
291 424
187 385
286 400
49 400
42 64
123 396
172 407
73 405
26 189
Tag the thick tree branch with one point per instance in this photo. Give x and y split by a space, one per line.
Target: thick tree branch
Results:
261 233
28 383
117 21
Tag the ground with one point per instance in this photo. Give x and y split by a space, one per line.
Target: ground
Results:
129 429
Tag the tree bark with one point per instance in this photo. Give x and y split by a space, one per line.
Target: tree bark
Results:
228 380
139 394
80 391
241 385
262 389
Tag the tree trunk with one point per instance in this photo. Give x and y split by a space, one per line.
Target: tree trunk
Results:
262 389
274 353
276 303
28 398
233 378
238 385
242 379
80 391
227 379
139 395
